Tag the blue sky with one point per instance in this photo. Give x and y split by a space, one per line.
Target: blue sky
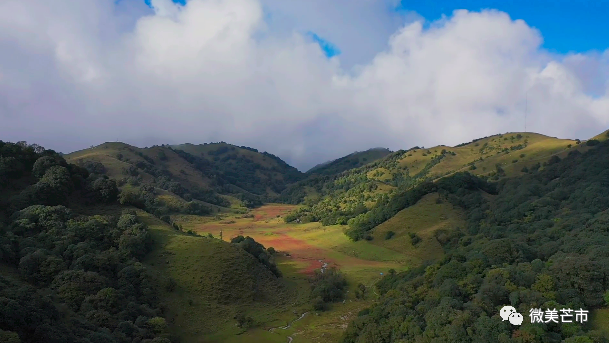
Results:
566 25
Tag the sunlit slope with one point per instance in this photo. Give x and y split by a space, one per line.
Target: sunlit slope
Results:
427 219
336 198
482 156
118 157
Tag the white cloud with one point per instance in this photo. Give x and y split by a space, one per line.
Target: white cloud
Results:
76 74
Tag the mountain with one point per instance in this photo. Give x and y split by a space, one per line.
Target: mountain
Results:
533 240
334 199
76 266
354 160
260 173
194 179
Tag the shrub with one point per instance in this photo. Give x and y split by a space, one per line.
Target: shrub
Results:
389 234
414 238
592 142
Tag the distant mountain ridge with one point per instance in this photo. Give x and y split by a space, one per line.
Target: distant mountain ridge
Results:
353 160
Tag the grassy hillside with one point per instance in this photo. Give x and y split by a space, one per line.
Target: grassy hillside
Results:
195 179
417 230
213 282
354 160
337 198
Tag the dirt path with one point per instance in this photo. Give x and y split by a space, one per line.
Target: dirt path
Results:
290 339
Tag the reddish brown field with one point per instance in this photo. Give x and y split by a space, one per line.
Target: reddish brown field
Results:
271 231
299 250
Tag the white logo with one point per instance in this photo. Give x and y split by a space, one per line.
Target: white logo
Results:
510 313
516 318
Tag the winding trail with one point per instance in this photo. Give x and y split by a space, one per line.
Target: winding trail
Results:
290 339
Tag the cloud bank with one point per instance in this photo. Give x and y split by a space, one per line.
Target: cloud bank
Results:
74 74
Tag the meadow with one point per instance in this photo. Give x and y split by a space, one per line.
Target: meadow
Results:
302 248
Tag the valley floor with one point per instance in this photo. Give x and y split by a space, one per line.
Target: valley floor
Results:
302 248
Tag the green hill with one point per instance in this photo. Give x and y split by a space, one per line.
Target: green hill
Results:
334 199
354 160
539 242
213 282
192 179
79 267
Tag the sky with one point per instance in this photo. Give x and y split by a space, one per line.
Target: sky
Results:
307 80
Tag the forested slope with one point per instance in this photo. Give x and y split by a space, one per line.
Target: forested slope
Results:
540 242
68 277
76 266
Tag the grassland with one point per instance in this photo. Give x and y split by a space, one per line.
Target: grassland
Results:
300 248
424 219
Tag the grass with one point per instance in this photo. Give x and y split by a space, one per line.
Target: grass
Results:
214 282
422 219
600 319
306 244
107 153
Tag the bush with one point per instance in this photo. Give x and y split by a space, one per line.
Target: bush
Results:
327 286
389 234
414 238
592 142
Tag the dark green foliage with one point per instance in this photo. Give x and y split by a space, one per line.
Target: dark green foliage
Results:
79 276
104 190
592 142
94 167
350 161
244 321
327 286
389 234
88 263
257 250
542 241
414 238
44 163
239 175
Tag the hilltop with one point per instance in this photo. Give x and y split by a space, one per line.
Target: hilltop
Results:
260 173
354 160
195 179
334 199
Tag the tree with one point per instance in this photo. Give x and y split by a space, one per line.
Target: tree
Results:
44 163
53 188
105 190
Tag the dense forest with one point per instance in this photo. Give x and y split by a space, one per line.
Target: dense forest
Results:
237 170
68 277
540 242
